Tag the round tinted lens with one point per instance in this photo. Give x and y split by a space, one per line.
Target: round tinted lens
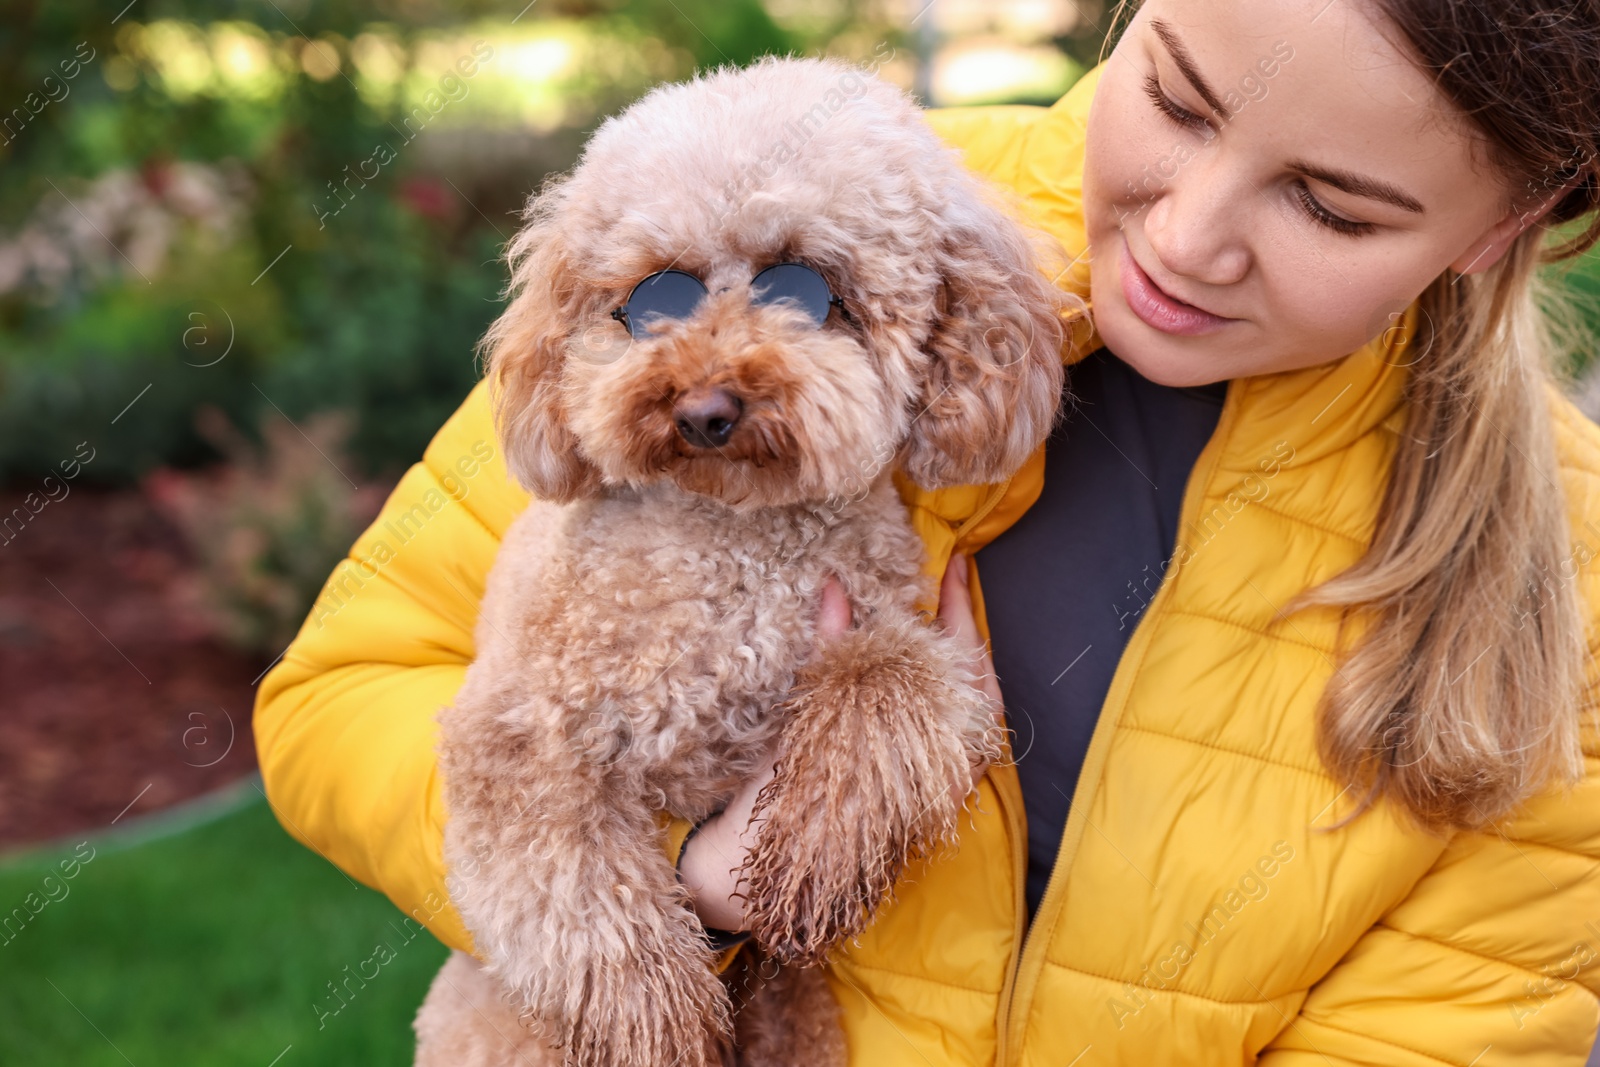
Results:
795 282
664 295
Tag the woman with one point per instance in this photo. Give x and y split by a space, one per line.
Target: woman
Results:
1306 822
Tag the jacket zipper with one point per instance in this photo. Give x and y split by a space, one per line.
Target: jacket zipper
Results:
1029 957
990 502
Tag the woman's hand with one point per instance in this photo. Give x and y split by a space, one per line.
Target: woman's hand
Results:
708 865
955 615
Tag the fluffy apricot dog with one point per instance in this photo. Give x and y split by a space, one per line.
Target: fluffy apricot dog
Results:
704 449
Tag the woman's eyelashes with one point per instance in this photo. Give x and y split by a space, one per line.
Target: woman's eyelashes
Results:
1314 208
1171 108
1323 217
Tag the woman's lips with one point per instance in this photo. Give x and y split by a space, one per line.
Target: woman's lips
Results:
1160 310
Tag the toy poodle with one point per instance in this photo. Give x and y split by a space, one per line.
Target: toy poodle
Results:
757 295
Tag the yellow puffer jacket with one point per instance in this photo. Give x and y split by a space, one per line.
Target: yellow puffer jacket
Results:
1198 912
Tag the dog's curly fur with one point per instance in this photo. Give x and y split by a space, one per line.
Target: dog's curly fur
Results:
646 637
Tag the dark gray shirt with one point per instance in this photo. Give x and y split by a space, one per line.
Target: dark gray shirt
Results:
1065 585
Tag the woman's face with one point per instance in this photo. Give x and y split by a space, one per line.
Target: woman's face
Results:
1268 182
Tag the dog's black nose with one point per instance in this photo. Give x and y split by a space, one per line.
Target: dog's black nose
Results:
706 417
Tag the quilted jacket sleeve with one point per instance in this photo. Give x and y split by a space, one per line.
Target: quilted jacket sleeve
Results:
1494 957
345 723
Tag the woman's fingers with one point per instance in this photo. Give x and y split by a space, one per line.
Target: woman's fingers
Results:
833 617
955 602
719 849
955 614
709 863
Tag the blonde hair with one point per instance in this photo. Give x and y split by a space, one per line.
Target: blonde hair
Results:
1462 698
1465 697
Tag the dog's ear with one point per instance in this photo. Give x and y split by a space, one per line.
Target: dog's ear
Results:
526 350
993 383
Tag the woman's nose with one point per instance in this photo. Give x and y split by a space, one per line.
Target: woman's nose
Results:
1196 227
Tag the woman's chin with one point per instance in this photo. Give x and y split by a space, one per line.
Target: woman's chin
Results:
1158 357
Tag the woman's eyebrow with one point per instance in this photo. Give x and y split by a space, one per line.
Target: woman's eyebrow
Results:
1343 180
1356 185
1186 64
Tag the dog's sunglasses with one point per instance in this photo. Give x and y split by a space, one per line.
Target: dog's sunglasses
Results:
668 295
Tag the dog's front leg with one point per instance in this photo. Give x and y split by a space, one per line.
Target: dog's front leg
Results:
574 907
881 736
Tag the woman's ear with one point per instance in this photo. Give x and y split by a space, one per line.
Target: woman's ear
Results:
1492 246
526 351
993 383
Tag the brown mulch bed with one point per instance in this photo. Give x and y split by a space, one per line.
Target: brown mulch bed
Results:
117 700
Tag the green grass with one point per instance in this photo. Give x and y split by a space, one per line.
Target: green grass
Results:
212 946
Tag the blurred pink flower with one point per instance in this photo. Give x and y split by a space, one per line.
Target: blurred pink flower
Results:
428 197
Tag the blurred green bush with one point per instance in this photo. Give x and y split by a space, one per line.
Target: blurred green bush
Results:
382 323
199 215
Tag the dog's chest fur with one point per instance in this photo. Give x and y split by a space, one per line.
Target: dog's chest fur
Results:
653 634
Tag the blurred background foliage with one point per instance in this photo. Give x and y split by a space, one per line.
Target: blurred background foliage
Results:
277 207
285 206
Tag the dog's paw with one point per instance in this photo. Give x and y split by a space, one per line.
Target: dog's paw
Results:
975 716
634 1018
650 999
873 764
